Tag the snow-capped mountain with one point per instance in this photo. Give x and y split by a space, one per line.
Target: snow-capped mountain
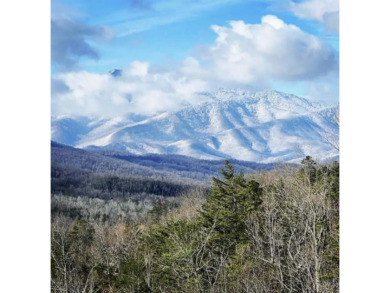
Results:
264 127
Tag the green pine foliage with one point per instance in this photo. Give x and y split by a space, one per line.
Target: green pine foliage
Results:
229 202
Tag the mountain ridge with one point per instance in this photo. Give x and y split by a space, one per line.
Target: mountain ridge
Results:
264 127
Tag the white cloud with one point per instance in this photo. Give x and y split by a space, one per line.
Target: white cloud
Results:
243 55
271 50
138 68
325 11
136 91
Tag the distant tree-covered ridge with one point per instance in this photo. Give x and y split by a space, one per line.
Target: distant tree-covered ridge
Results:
113 174
174 167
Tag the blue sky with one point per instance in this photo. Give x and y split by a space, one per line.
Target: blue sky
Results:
94 37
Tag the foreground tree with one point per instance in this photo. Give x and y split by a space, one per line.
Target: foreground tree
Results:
230 201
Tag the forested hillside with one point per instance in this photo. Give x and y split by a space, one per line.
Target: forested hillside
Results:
269 231
112 174
173 167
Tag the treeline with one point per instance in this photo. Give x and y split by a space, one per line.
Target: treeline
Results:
105 186
68 157
171 167
186 166
275 231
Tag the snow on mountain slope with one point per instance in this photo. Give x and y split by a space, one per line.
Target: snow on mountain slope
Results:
69 130
264 127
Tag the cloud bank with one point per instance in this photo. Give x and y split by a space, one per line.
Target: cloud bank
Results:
243 55
136 91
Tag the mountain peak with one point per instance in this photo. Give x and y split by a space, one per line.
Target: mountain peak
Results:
267 126
115 72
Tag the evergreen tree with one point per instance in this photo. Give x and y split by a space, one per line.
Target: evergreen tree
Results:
309 169
228 205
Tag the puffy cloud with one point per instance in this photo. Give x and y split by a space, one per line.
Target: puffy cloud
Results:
325 11
243 55
272 50
69 42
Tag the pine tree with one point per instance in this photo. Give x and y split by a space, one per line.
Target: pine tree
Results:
309 169
228 205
